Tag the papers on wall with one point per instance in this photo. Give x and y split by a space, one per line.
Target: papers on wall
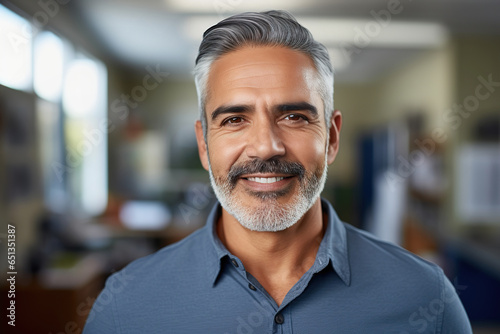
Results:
477 197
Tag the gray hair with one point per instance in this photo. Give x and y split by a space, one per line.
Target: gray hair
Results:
273 28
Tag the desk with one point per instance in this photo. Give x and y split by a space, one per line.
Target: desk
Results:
54 308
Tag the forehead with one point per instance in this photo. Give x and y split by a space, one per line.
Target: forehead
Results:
262 70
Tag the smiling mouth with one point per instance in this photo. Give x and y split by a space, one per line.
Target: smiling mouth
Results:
266 180
268 186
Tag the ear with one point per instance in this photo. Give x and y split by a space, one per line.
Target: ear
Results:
202 145
333 144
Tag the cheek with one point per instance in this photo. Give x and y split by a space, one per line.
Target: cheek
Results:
309 150
222 155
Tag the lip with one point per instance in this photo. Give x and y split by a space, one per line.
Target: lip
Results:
274 186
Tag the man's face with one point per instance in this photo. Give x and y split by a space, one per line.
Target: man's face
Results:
267 141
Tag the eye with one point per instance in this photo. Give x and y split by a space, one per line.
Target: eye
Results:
232 121
296 117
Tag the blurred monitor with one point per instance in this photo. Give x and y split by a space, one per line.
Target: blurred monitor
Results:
145 215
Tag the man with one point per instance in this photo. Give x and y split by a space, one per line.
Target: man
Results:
273 257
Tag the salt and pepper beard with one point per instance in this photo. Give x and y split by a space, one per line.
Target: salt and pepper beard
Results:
270 215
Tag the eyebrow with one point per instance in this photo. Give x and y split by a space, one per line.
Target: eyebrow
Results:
229 110
282 108
297 107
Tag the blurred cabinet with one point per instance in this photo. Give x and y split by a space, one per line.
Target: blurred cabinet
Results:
53 310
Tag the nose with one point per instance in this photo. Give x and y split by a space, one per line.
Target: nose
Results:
264 141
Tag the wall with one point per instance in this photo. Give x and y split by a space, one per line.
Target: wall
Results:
478 61
423 84
355 101
477 57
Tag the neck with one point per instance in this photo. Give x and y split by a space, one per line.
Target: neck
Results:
275 257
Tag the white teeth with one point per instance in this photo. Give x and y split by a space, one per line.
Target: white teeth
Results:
265 179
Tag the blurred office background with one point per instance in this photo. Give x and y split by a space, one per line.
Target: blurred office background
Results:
98 159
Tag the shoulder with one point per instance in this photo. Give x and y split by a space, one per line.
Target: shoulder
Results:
167 263
423 295
187 249
419 289
364 246
149 281
386 264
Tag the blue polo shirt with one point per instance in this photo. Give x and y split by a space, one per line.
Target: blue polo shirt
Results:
358 284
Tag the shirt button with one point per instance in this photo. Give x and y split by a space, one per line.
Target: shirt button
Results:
235 263
279 319
251 287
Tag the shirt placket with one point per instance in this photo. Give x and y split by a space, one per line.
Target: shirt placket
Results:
278 320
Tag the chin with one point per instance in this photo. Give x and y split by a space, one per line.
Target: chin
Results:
268 215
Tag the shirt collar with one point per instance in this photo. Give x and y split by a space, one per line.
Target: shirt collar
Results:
334 244
217 251
333 247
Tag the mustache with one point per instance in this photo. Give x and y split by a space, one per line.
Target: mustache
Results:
276 166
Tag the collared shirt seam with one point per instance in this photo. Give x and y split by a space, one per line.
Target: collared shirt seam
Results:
439 327
116 319
343 271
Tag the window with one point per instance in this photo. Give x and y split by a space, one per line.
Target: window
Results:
85 128
74 161
16 46
48 66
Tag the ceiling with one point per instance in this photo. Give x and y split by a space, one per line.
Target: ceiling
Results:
364 37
